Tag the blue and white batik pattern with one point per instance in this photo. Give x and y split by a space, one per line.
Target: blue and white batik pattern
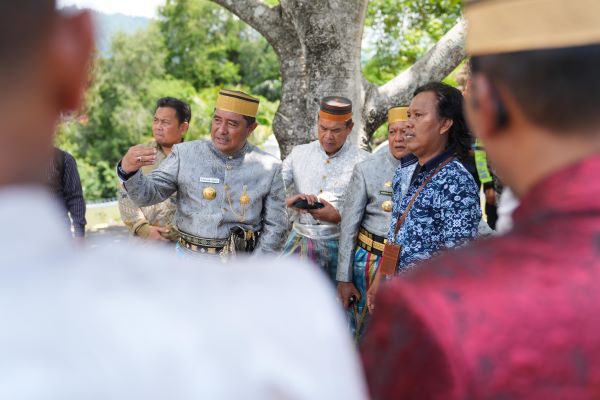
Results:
401 182
446 214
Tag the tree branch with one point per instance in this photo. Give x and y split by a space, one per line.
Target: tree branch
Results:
435 65
268 21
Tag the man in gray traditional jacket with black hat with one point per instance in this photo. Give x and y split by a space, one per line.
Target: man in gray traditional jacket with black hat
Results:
316 174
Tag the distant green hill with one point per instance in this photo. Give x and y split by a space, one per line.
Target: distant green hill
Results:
108 24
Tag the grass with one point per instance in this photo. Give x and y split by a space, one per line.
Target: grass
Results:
102 216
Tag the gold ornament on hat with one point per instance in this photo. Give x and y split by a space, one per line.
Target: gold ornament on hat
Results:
209 193
386 206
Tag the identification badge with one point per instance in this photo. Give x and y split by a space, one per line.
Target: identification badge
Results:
210 180
386 193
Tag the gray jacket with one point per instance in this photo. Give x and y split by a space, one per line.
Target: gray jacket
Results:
368 202
216 192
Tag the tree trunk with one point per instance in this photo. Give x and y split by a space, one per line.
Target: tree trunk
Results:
319 47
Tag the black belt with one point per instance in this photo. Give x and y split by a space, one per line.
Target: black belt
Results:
200 244
240 240
200 248
371 242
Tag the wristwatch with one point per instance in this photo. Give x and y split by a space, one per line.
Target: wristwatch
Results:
122 174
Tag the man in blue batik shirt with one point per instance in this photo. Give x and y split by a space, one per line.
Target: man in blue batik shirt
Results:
446 213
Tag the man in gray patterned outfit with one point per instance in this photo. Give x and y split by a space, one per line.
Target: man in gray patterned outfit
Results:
230 195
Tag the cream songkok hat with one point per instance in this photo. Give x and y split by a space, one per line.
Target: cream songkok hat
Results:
397 114
504 26
237 102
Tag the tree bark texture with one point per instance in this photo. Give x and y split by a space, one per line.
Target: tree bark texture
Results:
318 43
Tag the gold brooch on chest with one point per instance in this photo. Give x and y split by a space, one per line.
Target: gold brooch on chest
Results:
209 193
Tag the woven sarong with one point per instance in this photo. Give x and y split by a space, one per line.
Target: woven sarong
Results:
323 252
364 269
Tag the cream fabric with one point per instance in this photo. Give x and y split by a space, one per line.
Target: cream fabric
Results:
119 323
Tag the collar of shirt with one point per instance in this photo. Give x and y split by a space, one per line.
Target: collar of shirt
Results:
228 157
159 148
408 160
572 190
339 153
431 164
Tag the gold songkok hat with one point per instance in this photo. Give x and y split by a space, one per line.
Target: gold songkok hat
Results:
397 114
505 26
237 102
336 108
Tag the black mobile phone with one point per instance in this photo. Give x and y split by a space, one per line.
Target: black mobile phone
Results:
303 204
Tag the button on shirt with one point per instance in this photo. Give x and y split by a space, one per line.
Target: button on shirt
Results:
309 170
196 166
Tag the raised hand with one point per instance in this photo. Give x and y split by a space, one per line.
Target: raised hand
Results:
137 157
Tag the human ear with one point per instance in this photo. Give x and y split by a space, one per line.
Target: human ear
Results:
251 129
481 107
446 125
70 58
184 127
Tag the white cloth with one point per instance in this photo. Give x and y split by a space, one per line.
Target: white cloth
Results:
507 204
117 323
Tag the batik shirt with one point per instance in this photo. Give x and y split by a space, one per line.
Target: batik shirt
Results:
446 213
138 219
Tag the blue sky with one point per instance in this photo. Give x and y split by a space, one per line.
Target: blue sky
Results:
143 8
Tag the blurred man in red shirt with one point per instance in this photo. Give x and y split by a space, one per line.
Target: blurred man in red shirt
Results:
516 317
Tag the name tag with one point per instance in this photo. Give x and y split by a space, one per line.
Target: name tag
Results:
210 180
385 193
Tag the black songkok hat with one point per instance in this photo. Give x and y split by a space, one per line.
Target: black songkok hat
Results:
336 108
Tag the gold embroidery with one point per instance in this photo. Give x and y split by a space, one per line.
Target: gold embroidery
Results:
244 201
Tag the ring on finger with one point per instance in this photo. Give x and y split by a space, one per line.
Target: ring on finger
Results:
139 158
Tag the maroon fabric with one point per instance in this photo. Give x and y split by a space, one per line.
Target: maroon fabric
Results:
516 317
